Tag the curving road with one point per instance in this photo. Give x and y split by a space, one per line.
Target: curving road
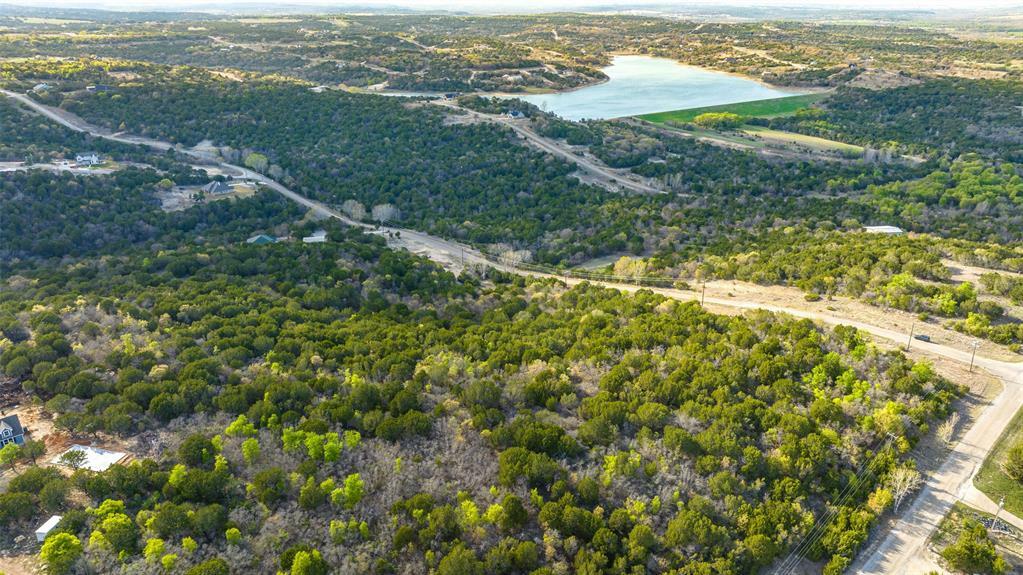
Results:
553 148
899 551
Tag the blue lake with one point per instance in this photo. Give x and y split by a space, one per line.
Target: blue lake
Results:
643 84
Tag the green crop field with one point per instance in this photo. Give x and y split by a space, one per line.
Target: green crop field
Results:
757 108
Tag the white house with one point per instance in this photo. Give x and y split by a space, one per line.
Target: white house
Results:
45 528
890 230
318 237
91 159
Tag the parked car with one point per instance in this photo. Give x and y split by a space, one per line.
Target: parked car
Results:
922 337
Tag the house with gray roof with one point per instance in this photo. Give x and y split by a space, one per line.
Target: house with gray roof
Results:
261 240
11 431
217 187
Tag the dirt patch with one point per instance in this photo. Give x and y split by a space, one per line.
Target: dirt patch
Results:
847 307
234 77
177 199
874 79
181 198
20 564
462 119
10 392
124 76
37 423
966 273
973 73
211 171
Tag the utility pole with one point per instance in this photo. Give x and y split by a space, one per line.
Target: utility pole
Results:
910 340
976 344
703 296
1001 503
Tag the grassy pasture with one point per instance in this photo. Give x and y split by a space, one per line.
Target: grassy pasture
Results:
756 108
812 142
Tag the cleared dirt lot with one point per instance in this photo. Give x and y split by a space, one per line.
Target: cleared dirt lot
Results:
848 307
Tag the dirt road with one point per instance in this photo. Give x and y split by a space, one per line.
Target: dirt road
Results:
899 551
596 168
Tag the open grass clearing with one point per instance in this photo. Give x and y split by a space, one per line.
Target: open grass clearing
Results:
769 108
812 142
761 138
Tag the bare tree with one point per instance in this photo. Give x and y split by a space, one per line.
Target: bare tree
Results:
517 256
902 482
947 429
354 209
386 213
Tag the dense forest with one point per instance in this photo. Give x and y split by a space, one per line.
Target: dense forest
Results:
962 115
512 53
29 138
471 182
343 406
399 419
49 215
468 182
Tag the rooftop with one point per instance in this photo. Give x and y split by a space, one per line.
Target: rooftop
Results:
261 239
318 237
12 422
883 230
45 528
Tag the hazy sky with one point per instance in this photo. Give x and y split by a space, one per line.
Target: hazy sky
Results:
526 5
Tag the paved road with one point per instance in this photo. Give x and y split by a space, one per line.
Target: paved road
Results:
976 499
899 551
556 149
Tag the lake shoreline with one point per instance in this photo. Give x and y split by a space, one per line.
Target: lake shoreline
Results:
739 75
783 91
639 84
761 81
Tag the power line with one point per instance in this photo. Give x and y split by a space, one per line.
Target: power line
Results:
864 472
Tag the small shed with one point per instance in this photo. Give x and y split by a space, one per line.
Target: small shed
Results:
45 528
